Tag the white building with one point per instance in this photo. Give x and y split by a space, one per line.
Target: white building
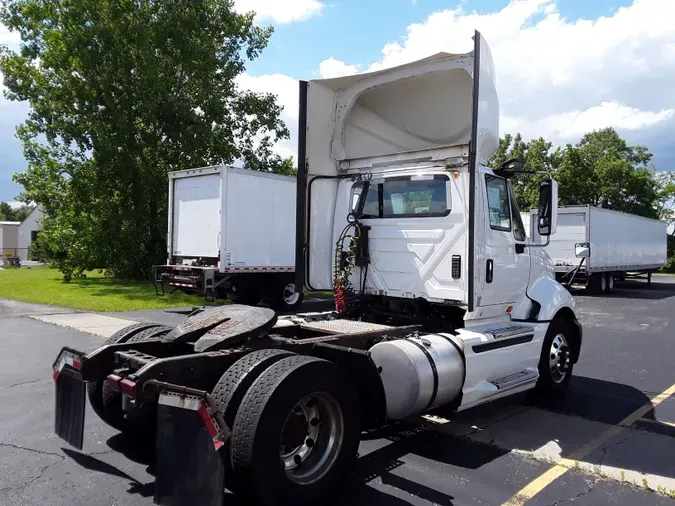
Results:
28 231
9 234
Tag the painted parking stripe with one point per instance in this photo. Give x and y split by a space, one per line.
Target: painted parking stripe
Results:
541 482
659 422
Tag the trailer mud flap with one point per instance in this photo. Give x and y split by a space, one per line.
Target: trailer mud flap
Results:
70 397
190 435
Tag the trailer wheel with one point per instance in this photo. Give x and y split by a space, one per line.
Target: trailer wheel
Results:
610 282
112 400
283 297
597 283
555 362
296 432
95 388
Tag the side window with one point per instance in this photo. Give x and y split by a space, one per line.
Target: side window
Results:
518 227
498 203
403 197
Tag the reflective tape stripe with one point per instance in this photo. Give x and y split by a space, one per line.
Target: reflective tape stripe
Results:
194 403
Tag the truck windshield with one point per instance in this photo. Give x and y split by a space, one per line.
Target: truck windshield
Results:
402 197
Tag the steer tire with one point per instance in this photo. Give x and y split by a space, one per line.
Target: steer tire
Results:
95 388
112 399
548 385
275 397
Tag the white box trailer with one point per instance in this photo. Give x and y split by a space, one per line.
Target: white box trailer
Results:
615 243
231 235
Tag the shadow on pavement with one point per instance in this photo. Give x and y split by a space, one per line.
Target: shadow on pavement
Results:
636 447
634 289
94 464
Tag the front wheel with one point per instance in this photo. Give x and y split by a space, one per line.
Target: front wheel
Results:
296 432
555 362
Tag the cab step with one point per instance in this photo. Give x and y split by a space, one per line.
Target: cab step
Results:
515 379
510 331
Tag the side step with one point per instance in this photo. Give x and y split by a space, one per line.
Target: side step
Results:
510 331
515 379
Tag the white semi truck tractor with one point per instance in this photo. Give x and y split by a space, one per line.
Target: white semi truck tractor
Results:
440 301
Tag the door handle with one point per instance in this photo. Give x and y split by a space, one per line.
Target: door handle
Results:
488 271
520 248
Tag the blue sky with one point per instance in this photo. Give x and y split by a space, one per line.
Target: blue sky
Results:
564 67
356 30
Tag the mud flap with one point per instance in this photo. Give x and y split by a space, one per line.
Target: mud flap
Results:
70 397
190 436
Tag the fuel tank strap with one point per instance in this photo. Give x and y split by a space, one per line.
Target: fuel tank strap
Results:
433 370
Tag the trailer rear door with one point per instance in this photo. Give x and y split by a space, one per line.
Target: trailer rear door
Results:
195 227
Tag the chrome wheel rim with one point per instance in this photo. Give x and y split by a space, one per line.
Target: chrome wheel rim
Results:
559 358
290 295
311 438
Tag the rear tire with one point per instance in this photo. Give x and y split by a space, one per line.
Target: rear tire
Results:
296 432
555 362
250 298
95 388
233 385
283 297
112 399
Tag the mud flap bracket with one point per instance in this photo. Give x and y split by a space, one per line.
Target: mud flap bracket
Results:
191 436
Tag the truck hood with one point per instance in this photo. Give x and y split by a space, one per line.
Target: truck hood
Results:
418 106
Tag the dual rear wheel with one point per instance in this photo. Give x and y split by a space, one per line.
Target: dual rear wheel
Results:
295 426
601 282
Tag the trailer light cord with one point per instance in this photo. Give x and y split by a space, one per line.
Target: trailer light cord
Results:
346 298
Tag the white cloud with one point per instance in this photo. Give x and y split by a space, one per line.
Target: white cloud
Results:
12 39
279 11
286 90
336 68
560 78
574 124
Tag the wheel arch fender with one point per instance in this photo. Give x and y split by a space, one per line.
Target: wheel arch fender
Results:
556 302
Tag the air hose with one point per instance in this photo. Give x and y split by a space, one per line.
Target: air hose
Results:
346 298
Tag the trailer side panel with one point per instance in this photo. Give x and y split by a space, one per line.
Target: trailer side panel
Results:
624 242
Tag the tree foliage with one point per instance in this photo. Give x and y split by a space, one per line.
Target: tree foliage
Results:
7 213
601 170
120 93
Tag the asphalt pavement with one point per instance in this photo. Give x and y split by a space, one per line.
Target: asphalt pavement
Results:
602 445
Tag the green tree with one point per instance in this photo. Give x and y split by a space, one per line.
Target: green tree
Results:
7 213
122 92
538 158
602 170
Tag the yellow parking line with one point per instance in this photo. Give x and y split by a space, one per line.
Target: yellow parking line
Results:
538 484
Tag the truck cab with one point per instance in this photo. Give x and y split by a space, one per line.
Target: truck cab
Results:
406 221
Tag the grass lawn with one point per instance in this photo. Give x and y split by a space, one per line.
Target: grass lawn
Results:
42 285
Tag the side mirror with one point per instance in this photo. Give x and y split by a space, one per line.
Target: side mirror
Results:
582 250
547 217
